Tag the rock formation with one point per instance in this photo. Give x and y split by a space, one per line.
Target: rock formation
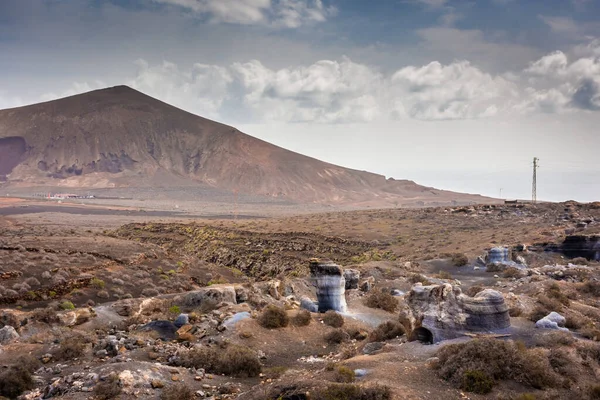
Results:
331 285
498 255
440 312
352 276
552 321
587 246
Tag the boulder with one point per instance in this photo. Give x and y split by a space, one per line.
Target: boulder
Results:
8 334
309 305
165 329
352 276
497 255
76 317
182 319
367 284
331 285
439 312
552 321
372 347
213 293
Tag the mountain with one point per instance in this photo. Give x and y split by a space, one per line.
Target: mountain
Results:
119 137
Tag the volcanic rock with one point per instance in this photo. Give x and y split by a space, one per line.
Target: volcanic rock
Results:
440 312
352 276
8 334
331 285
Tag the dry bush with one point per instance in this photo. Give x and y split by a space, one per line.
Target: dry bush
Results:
302 318
476 381
544 307
590 333
576 320
511 272
593 392
589 352
499 360
179 391
554 292
349 391
47 315
564 364
108 389
14 381
444 275
580 261
515 311
333 319
273 317
554 339
386 331
418 278
459 259
382 300
337 336
70 347
590 287
233 360
494 268
344 374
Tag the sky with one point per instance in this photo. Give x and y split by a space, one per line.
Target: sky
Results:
454 94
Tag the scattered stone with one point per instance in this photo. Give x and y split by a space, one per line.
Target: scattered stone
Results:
182 319
309 305
8 334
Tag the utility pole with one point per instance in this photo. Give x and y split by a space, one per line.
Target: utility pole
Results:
534 183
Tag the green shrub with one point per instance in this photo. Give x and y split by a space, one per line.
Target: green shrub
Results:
97 283
175 310
273 317
179 391
382 300
386 331
344 374
302 318
333 319
475 381
67 305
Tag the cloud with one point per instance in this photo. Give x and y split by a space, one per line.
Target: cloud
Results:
326 91
562 25
202 89
559 85
276 13
455 91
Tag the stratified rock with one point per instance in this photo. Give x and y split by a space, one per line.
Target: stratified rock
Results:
182 319
214 293
331 285
352 276
440 312
498 255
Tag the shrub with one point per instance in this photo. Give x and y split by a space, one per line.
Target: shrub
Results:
302 318
273 317
337 336
418 278
554 292
382 300
333 319
108 389
444 275
515 311
234 360
70 348
511 272
349 391
344 374
473 290
386 331
15 381
103 294
498 360
459 259
553 339
97 283
476 381
178 391
47 315
591 287
594 392
67 305
175 310
590 333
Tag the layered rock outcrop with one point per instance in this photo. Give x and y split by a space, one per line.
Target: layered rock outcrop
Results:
439 312
331 285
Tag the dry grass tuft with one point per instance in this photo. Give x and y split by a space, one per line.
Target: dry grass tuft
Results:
333 319
273 317
382 300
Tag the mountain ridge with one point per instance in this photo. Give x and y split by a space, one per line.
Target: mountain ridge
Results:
120 137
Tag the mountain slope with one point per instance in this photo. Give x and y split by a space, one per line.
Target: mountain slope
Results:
121 137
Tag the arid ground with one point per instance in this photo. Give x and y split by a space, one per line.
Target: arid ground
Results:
80 281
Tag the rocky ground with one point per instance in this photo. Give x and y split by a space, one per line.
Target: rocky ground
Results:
175 307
